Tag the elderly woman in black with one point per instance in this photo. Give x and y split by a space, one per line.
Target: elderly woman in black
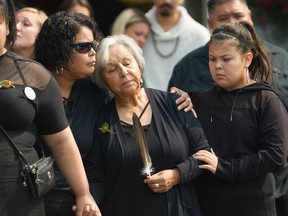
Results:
31 105
165 184
66 45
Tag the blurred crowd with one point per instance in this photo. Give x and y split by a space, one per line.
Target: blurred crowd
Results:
211 100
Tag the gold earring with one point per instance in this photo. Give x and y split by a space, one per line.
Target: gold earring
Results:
59 73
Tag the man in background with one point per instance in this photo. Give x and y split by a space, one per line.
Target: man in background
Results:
173 34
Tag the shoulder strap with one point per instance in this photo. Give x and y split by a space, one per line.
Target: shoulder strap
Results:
18 69
19 153
23 80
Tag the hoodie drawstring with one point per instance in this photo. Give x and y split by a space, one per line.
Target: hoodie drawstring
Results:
232 109
212 112
233 105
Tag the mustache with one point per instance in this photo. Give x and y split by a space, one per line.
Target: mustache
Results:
165 5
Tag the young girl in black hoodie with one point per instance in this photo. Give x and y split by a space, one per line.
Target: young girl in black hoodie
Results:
246 125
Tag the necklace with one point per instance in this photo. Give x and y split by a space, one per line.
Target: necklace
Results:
128 128
158 51
144 109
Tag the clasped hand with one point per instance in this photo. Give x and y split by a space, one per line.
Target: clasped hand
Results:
86 206
184 101
209 158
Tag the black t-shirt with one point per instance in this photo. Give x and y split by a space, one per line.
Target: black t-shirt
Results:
24 117
82 109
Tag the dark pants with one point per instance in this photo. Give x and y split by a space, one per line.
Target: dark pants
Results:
282 205
59 203
281 194
16 200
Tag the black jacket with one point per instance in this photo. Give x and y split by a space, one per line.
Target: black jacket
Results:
117 170
191 74
247 129
279 62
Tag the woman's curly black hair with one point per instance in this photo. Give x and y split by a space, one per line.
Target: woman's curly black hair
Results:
54 43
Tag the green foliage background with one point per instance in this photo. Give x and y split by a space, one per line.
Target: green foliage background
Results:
271 20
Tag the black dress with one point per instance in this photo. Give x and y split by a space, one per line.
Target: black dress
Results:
173 136
24 117
81 108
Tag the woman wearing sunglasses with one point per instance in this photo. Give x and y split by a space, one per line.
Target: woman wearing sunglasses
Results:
66 46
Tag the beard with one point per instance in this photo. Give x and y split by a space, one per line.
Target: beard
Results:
165 9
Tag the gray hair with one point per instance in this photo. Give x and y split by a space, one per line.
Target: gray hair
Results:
102 55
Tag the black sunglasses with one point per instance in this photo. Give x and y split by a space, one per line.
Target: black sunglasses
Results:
84 47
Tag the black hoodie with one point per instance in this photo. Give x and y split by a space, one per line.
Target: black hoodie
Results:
248 130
